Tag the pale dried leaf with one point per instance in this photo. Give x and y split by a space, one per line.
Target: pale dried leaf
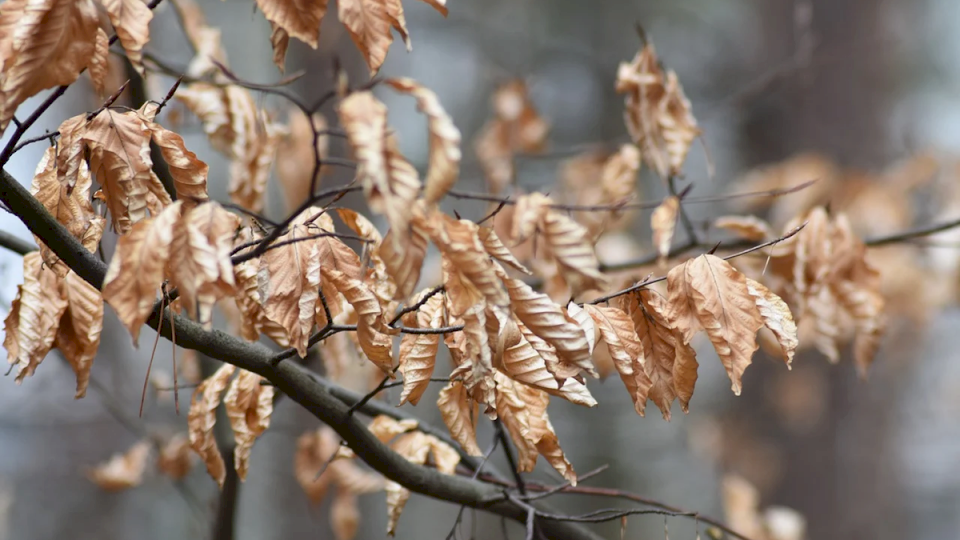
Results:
189 173
777 317
100 62
444 138
249 406
459 414
296 156
131 20
78 335
176 458
495 248
122 471
626 350
298 18
43 44
280 41
369 25
31 326
202 418
663 221
573 250
707 293
418 352
136 269
371 329
747 227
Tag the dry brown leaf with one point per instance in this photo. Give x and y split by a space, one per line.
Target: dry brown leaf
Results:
78 334
707 293
43 44
495 248
189 173
444 138
280 42
176 458
398 21
418 352
344 515
404 262
747 227
386 429
31 326
122 471
199 264
459 413
459 242
369 24
296 156
550 322
573 250
136 269
249 406
371 328
663 221
99 66
202 418
777 317
298 18
617 331
476 366
527 215
657 113
70 207
515 415
314 450
289 280
131 20
516 127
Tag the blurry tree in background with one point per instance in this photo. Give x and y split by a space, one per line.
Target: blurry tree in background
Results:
515 213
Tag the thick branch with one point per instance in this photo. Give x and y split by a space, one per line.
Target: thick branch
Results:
287 377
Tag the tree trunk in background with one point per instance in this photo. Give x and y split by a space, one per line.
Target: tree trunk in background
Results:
839 472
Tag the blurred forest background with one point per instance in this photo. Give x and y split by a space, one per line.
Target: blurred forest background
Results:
863 83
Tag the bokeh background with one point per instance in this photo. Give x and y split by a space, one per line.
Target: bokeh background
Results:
864 83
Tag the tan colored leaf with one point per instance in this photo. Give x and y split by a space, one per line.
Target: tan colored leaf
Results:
776 316
418 352
78 335
249 406
296 157
250 171
72 208
747 227
122 471
289 280
578 314
176 458
43 44
549 321
444 137
199 264
398 21
573 250
280 41
459 242
516 127
298 18
189 173
131 20
657 113
202 418
617 331
100 62
371 329
476 367
386 429
707 293
314 451
619 177
495 248
368 24
415 447
31 326
136 269
670 363
405 262
663 221
459 414
439 5
344 515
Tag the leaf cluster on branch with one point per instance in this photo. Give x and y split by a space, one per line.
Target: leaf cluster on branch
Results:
524 305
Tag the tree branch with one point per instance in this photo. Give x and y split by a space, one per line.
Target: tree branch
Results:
287 377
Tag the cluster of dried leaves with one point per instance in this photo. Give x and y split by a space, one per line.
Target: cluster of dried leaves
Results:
512 347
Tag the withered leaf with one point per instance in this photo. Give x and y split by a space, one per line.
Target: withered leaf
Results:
176 457
122 471
136 269
202 418
249 406
297 18
131 20
459 413
707 293
663 221
617 331
31 326
418 352
444 138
